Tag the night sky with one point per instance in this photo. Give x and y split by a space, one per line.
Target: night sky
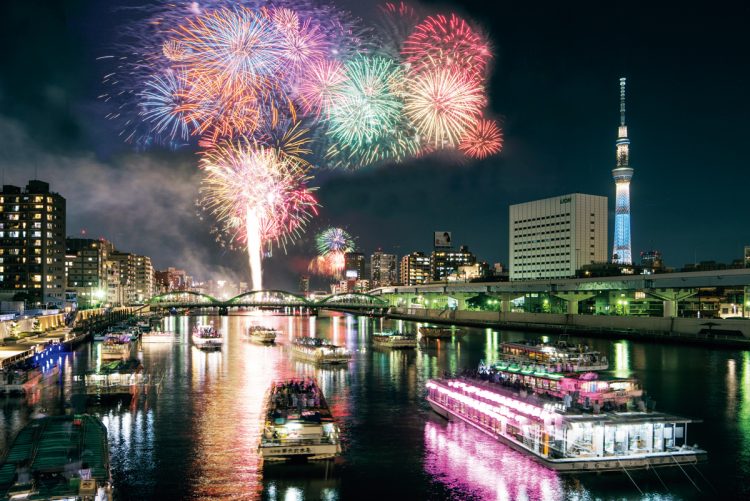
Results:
554 86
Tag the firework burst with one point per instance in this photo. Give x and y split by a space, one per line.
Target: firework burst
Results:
441 41
334 240
483 139
165 107
320 87
256 196
443 104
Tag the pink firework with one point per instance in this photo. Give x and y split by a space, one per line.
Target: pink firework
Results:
321 87
441 41
303 47
482 140
257 195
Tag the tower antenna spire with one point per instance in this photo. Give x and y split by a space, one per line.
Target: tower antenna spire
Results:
622 101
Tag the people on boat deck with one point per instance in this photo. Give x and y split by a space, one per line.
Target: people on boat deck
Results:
297 394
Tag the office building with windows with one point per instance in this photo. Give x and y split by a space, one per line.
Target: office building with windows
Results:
554 237
445 262
32 244
383 269
415 269
354 266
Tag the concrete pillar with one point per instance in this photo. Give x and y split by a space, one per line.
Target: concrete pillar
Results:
671 299
572 307
670 308
506 298
573 298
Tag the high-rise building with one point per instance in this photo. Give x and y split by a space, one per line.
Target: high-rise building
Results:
32 243
622 174
554 237
173 279
446 261
87 268
747 256
383 269
144 278
354 265
415 269
126 265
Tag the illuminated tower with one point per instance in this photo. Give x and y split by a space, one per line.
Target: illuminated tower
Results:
623 173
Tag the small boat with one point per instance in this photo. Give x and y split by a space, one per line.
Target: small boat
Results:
438 332
115 379
157 337
206 337
260 334
560 357
320 351
571 423
115 347
298 423
58 457
23 380
392 339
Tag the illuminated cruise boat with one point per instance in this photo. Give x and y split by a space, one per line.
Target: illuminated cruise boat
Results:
559 357
391 339
116 347
263 335
570 423
319 351
298 423
206 337
157 337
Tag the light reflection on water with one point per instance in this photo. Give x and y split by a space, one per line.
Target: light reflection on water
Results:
197 437
471 463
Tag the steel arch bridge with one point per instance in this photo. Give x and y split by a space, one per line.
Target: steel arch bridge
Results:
270 299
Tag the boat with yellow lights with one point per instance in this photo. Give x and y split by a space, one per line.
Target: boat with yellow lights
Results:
298 423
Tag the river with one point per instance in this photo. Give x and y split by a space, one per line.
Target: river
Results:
195 436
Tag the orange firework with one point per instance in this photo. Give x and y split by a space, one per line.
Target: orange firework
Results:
482 140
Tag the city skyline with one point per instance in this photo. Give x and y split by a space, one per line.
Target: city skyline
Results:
556 102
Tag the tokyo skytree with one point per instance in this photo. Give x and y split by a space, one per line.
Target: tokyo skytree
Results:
623 173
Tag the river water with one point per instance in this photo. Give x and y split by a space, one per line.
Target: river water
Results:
196 435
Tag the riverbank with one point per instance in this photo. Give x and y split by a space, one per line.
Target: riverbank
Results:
733 334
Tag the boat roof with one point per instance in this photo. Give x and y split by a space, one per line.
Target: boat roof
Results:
50 444
631 417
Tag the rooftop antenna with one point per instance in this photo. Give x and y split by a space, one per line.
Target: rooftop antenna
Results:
622 101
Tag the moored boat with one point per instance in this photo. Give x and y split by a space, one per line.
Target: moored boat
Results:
157 337
115 347
206 337
392 339
559 357
60 457
571 423
261 334
22 380
115 379
320 351
434 331
298 423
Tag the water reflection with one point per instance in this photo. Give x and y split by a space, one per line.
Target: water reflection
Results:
197 438
472 463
